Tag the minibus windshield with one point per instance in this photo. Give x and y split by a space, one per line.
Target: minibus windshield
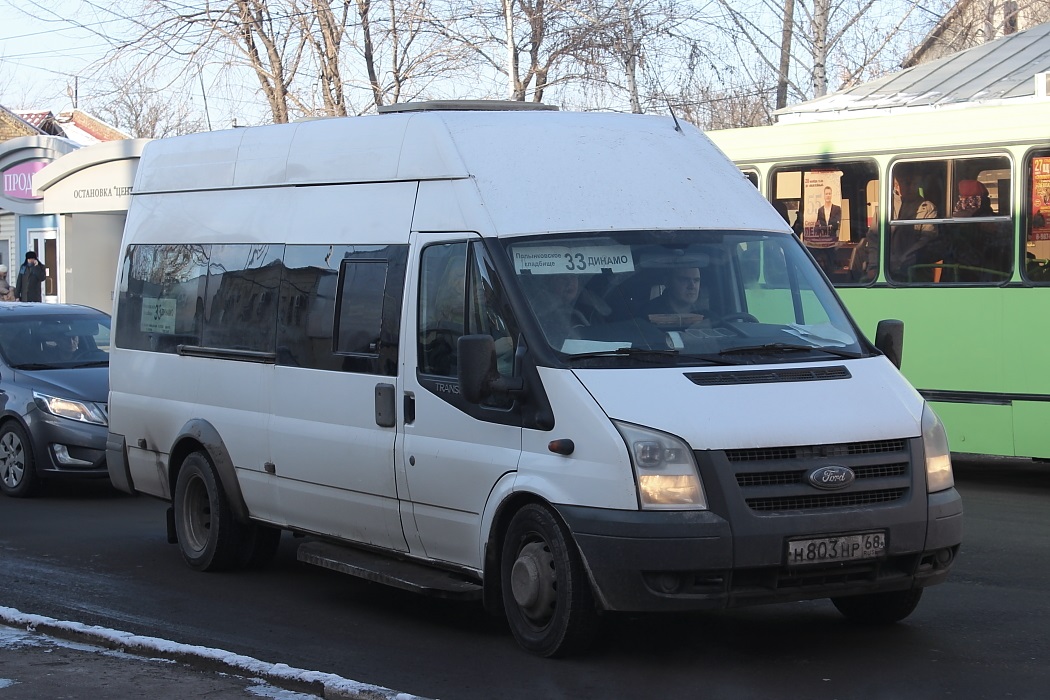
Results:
643 298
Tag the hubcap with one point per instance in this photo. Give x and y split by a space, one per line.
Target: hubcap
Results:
196 515
533 582
12 460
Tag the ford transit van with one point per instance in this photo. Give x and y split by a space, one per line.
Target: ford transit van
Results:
561 363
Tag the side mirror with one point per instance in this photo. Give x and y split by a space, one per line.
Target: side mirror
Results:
479 377
889 340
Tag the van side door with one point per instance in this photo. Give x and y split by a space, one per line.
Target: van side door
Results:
332 427
451 453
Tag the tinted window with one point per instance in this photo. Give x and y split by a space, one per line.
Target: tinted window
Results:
340 307
161 296
242 293
361 307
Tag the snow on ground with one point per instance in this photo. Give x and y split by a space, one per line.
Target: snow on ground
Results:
119 643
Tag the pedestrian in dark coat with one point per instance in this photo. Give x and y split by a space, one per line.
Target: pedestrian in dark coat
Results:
30 276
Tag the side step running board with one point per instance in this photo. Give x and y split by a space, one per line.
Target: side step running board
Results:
392 572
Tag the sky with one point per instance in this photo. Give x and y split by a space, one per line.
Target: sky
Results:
46 58
38 59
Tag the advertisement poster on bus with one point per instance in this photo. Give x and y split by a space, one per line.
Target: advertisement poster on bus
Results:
1040 190
822 190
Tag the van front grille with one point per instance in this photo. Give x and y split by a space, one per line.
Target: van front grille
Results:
825 500
798 476
772 481
815 451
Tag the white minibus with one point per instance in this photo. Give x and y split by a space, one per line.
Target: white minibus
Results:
561 363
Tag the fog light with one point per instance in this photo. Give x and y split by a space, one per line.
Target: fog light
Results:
63 457
667 582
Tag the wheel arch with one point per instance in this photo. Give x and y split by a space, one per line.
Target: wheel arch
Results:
199 434
492 594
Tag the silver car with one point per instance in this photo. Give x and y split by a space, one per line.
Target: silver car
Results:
54 385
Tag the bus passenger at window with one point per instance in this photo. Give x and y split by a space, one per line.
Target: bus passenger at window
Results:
982 249
913 248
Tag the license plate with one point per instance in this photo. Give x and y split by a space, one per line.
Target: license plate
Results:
822 550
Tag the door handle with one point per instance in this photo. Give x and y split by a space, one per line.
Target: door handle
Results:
386 410
410 407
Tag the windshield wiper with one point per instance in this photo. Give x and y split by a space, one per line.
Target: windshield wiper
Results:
773 348
653 354
95 363
636 353
30 366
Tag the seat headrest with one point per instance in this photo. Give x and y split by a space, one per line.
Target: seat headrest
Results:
972 188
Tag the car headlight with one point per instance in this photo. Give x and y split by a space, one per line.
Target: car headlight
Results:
938 457
83 411
664 470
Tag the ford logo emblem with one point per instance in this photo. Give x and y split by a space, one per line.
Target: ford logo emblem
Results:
831 477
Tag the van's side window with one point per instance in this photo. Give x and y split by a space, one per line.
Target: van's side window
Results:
360 314
340 307
442 296
243 285
459 295
161 296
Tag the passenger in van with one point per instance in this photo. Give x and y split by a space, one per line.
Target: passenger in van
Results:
680 304
555 305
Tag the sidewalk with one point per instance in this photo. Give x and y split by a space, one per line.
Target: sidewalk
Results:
42 658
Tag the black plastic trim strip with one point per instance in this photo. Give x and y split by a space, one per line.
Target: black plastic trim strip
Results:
991 398
227 354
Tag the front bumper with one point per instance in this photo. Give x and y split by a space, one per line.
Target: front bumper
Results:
677 561
64 447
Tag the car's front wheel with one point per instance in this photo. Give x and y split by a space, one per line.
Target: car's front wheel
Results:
18 477
546 591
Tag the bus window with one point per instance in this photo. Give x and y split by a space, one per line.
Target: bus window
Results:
950 222
832 207
1037 226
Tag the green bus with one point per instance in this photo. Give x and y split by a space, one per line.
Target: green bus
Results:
939 218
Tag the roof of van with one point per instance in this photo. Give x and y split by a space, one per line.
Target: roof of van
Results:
518 159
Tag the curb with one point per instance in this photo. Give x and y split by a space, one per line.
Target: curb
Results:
325 685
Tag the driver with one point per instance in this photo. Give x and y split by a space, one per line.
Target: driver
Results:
679 304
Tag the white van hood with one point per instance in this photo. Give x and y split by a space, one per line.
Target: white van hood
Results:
874 403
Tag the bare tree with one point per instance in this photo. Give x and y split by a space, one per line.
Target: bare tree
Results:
133 104
820 45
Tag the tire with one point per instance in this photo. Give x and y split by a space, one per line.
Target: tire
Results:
546 593
18 477
259 545
879 608
210 538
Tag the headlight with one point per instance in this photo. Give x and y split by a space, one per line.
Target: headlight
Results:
938 457
663 469
82 411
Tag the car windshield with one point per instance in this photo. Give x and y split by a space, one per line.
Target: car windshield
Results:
680 297
55 341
